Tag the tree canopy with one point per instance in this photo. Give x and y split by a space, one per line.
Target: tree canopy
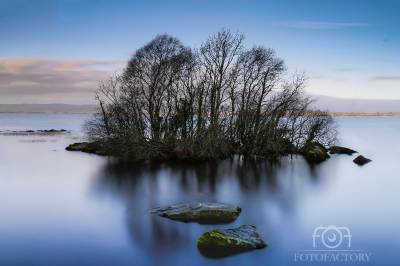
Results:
216 101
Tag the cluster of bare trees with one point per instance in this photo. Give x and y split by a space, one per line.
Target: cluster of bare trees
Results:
215 101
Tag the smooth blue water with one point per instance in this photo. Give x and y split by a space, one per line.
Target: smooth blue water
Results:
72 208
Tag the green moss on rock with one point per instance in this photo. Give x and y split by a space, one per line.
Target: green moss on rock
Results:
215 239
88 147
317 153
243 238
79 146
199 212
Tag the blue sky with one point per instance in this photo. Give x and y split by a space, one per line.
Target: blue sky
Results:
56 51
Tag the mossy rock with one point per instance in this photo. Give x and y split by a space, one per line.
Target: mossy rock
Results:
88 147
317 153
341 150
361 160
286 146
79 146
203 213
224 242
92 147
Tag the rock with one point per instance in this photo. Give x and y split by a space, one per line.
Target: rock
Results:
317 153
203 213
95 147
361 160
91 148
341 150
88 147
286 146
79 146
225 242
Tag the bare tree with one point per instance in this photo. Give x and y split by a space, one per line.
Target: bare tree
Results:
219 100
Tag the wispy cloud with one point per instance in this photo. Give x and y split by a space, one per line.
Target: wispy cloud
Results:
345 69
318 77
45 77
318 25
386 78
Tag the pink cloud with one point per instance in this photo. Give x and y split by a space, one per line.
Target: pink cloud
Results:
66 81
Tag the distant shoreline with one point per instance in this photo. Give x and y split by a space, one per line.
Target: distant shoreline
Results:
46 112
363 114
87 112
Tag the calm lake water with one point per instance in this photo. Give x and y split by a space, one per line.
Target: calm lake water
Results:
71 208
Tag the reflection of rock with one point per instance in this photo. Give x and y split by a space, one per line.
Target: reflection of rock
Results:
317 153
203 213
225 242
341 150
361 160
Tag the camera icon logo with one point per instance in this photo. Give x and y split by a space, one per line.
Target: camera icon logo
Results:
331 236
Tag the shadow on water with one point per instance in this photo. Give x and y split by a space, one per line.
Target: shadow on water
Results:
146 185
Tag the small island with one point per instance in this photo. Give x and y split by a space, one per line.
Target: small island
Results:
174 101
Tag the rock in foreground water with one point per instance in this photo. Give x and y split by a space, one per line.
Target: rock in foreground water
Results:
199 212
341 150
224 242
361 160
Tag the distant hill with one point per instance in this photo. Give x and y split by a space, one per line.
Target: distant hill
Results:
335 105
46 108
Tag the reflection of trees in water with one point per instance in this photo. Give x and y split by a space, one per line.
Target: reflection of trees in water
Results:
141 185
124 177
157 234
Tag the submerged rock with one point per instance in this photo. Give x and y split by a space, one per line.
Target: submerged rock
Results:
361 160
317 153
341 150
225 242
203 213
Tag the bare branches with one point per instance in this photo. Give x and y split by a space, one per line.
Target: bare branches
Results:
174 101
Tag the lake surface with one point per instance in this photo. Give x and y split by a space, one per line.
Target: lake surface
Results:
71 208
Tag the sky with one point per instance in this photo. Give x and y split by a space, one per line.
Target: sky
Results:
57 51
